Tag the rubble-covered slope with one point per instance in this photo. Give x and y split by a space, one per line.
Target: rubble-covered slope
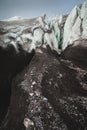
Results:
50 93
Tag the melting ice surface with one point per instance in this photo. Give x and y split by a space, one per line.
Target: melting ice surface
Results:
58 32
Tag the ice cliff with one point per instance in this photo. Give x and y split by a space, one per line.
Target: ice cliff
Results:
58 32
76 25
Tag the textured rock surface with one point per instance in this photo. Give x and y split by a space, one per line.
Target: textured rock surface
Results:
51 92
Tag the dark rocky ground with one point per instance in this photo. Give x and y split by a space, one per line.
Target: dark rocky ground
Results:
51 91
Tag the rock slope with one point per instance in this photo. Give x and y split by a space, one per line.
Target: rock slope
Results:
51 92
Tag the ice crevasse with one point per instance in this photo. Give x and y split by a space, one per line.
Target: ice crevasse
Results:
58 32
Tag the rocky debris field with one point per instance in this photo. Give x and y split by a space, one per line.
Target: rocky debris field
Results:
48 94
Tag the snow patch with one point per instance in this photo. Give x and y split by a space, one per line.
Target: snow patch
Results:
15 18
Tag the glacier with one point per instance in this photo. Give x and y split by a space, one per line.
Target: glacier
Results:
43 71
58 32
75 25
